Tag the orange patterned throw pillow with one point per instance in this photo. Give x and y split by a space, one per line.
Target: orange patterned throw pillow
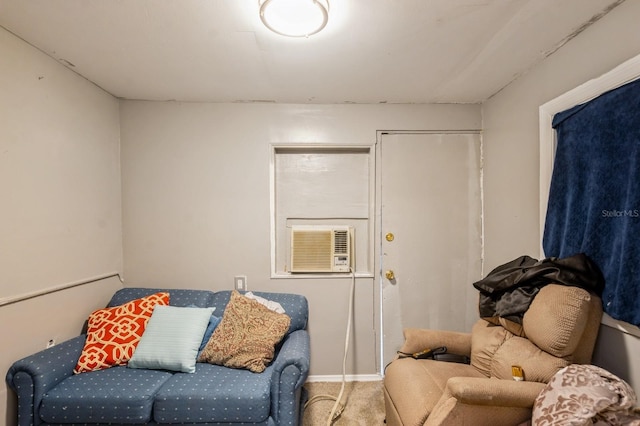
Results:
246 336
113 333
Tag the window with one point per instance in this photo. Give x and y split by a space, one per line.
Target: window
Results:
321 185
618 77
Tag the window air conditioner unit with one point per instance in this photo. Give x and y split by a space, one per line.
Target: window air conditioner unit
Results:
321 249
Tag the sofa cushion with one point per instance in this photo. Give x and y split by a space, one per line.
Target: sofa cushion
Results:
115 395
172 339
113 333
247 335
214 394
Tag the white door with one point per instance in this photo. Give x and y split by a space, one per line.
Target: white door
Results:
431 233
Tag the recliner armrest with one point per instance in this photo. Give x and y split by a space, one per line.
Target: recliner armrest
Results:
418 339
494 392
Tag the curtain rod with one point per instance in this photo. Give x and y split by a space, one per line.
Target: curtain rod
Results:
15 299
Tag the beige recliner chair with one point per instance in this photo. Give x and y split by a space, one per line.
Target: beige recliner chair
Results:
559 328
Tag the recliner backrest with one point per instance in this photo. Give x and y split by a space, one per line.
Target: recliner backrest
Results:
561 320
559 328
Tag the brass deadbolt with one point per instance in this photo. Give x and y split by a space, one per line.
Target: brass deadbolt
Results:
389 237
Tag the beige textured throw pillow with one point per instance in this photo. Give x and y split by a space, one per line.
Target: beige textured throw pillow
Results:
246 336
556 318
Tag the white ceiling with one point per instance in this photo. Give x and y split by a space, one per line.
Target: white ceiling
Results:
372 51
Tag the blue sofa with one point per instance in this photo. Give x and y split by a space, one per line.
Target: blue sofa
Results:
49 393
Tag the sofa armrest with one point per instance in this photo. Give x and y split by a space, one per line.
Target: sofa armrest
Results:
418 339
290 371
494 392
33 376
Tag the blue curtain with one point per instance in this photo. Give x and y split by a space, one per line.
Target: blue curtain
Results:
594 199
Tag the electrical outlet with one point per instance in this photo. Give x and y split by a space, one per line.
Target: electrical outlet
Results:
240 282
51 343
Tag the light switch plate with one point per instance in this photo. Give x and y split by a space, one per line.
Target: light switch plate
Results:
240 282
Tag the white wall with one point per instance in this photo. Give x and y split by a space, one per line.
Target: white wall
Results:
511 144
196 203
60 220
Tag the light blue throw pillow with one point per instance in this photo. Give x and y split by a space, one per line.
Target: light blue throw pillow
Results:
172 339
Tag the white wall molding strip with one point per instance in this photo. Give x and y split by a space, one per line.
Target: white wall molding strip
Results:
19 298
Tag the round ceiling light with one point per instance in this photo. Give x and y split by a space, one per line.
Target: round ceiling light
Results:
294 18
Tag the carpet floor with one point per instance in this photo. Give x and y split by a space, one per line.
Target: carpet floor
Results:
364 404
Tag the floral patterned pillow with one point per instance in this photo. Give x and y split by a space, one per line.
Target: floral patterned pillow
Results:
581 394
113 333
246 336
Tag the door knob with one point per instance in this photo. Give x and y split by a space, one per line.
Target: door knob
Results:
390 275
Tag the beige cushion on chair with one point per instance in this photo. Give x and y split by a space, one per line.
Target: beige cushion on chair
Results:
486 339
495 350
536 364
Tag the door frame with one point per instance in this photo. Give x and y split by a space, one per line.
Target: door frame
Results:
377 240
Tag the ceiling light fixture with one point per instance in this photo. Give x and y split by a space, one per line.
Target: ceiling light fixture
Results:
294 18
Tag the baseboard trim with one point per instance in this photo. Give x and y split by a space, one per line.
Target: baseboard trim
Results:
348 378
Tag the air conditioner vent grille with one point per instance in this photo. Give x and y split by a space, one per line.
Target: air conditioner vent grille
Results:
341 242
